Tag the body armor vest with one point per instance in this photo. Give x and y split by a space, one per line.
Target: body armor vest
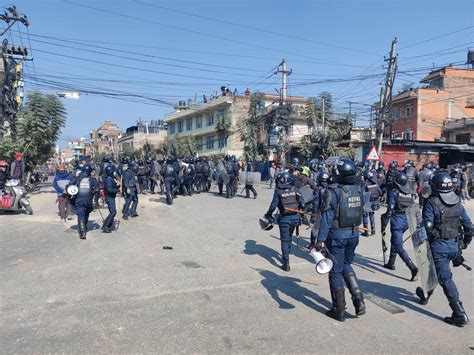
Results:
373 190
411 174
288 200
447 227
85 187
230 168
349 207
141 170
404 201
169 170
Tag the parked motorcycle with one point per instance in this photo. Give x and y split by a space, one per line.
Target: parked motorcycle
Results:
15 198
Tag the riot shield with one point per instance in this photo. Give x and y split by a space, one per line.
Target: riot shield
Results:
423 256
222 172
306 193
249 177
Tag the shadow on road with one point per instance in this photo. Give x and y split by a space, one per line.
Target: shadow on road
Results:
397 295
253 248
374 265
289 286
91 226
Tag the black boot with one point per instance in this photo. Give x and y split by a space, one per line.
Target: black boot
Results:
357 297
286 264
82 229
391 262
459 317
105 226
372 231
421 294
338 305
414 271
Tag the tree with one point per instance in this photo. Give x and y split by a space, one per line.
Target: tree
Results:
38 129
249 129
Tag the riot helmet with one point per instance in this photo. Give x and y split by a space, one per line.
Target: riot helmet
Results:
344 172
169 160
284 180
125 160
295 161
370 176
401 180
323 179
141 162
106 159
109 170
393 165
442 185
87 170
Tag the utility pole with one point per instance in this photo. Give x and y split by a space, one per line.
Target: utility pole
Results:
323 114
385 100
284 74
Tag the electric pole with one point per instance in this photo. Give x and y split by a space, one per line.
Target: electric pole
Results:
284 74
385 100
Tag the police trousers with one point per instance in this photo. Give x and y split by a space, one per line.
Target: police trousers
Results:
343 252
441 258
287 227
130 199
83 208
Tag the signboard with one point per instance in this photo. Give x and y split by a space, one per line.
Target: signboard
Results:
372 154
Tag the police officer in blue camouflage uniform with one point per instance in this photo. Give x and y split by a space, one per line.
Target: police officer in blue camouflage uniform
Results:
285 198
399 199
170 175
131 193
111 188
341 215
443 215
83 201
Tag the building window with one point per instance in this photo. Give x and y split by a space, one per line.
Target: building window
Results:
408 134
199 122
222 141
463 138
172 127
180 126
210 142
395 135
395 113
409 110
189 124
210 119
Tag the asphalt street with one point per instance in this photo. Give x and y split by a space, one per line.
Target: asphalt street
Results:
218 290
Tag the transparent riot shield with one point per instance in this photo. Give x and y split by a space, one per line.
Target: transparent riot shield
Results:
250 177
222 172
423 256
367 207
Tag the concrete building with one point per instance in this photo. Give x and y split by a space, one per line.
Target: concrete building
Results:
135 137
419 114
105 138
459 131
205 121
80 149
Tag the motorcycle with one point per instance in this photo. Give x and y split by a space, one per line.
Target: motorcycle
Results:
15 198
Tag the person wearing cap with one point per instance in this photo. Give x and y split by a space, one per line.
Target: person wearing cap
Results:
17 170
62 178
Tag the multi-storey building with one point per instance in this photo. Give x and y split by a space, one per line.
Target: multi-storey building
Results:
135 137
105 138
419 114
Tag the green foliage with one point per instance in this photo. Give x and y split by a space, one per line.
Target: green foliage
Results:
132 153
249 129
179 146
99 156
37 130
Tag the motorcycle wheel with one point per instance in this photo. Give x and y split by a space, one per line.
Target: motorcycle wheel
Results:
28 210
101 201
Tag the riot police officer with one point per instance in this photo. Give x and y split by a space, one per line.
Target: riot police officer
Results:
142 176
456 178
286 199
230 169
111 188
424 178
341 215
443 215
131 192
207 175
390 177
295 162
170 176
106 161
399 200
322 185
199 178
249 187
189 176
151 175
83 201
412 175
374 192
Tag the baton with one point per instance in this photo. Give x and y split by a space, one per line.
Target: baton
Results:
98 209
468 268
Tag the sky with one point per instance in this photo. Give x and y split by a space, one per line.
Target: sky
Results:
132 59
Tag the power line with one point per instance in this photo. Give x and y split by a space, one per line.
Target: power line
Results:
255 28
437 37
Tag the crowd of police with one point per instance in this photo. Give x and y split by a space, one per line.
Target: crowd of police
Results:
131 177
344 197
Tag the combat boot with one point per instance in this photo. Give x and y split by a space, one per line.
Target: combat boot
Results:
459 317
338 305
357 297
391 262
372 232
82 229
414 271
286 264
421 294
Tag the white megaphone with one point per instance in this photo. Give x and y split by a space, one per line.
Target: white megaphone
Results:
323 264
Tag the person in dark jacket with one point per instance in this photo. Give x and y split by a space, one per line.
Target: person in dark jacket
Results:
111 188
17 170
4 176
61 180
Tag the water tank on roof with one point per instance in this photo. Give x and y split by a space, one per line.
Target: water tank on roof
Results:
190 102
470 58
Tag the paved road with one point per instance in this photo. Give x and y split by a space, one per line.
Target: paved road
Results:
218 290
